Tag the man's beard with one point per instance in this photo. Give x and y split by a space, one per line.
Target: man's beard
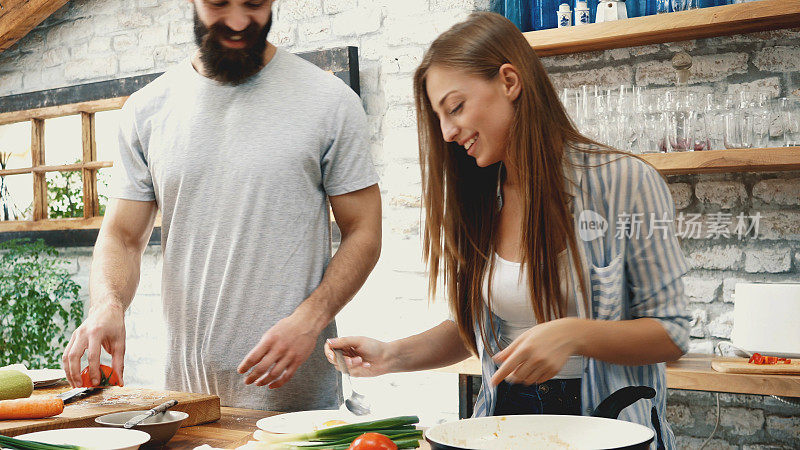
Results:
230 65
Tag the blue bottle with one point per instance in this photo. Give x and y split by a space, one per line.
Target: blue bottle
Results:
517 11
663 6
632 7
592 9
544 14
642 6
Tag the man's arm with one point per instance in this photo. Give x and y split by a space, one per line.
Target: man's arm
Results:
358 215
126 228
283 348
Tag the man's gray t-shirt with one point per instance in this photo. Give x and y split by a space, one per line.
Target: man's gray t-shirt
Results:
241 175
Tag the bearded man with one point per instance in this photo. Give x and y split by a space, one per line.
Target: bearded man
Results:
241 147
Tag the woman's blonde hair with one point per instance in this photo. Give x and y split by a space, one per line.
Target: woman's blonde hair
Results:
460 201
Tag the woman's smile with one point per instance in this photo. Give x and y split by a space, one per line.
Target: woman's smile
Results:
470 145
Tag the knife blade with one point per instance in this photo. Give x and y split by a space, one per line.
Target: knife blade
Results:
76 393
137 419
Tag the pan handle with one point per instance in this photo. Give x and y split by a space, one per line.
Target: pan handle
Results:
621 399
657 427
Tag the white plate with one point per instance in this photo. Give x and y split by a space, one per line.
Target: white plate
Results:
94 438
46 377
307 421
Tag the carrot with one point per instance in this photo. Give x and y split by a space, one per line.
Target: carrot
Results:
31 408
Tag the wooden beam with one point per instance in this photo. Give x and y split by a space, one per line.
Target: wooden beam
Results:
91 205
19 17
51 224
37 159
49 112
94 165
678 26
15 171
73 167
58 224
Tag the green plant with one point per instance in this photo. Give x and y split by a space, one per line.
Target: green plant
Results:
65 194
39 304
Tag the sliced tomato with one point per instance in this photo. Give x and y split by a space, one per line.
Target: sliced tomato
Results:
107 377
763 360
372 441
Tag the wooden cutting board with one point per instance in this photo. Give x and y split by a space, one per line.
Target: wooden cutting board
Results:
201 408
740 365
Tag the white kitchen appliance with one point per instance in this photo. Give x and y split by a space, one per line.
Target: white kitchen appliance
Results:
766 318
611 10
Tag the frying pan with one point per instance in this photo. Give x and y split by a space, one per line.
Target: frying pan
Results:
601 430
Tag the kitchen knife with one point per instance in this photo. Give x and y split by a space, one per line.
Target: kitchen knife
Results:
136 420
74 394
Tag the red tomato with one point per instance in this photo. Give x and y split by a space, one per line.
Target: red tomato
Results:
372 441
107 377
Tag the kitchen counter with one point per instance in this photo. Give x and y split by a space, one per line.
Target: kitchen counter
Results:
692 372
234 428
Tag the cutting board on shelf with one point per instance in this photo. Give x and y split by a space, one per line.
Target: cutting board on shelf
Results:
202 408
740 365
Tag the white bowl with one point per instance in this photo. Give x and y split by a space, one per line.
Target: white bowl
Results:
94 438
161 427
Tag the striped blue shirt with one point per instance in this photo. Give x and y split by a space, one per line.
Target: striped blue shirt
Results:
633 263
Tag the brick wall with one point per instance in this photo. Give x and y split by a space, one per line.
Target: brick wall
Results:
90 40
766 61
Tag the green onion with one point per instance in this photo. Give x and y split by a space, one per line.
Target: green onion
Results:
338 432
389 432
394 436
407 443
411 442
20 444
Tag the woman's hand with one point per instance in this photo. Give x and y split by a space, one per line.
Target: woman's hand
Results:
539 353
365 357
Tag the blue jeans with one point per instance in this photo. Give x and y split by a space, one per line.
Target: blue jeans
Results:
551 397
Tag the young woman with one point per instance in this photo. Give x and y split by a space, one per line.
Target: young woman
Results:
558 255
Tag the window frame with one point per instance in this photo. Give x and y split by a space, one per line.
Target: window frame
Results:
89 164
88 99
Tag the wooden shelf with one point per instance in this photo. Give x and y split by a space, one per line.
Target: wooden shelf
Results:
734 160
693 372
740 18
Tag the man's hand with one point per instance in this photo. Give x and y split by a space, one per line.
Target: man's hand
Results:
104 328
280 352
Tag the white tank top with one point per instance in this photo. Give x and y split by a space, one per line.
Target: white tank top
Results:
512 305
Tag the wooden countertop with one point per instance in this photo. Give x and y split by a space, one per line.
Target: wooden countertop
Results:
233 429
694 372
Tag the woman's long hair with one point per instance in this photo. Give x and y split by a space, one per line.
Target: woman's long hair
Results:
460 201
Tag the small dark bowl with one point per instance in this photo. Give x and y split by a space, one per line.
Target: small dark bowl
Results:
160 427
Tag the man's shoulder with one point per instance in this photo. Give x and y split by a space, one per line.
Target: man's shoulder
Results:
154 92
304 72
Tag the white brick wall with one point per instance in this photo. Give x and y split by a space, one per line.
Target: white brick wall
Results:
89 41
